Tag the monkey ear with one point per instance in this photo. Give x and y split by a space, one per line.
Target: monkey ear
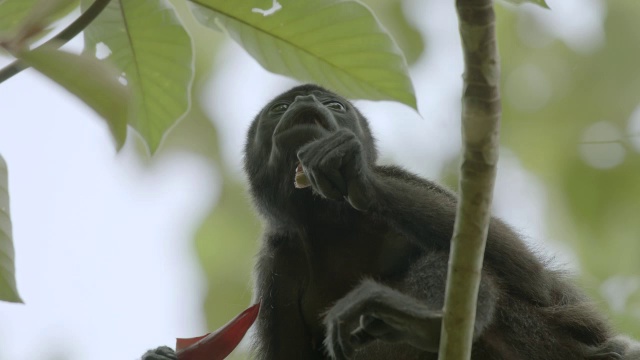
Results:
218 344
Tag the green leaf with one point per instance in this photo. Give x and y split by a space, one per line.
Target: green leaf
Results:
336 43
392 16
541 3
8 288
37 20
14 12
92 81
151 48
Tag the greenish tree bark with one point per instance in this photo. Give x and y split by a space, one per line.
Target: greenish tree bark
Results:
480 128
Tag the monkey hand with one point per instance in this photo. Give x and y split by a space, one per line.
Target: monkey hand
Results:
336 168
161 353
373 311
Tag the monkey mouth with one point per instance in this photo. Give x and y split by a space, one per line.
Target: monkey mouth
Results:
310 119
301 125
296 136
299 129
300 179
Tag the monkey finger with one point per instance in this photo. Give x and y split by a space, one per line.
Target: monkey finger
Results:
357 187
327 189
322 184
359 337
338 345
373 325
337 180
380 329
345 345
358 196
311 179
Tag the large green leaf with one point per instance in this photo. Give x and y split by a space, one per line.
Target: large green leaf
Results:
336 43
91 80
392 16
152 49
8 289
13 12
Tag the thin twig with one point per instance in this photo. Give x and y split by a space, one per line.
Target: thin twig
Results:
64 36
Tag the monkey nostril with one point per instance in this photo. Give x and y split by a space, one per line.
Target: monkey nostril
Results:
302 98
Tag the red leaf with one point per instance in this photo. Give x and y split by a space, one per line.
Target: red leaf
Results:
220 343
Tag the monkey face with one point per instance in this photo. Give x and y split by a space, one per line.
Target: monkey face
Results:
289 122
303 120
299 116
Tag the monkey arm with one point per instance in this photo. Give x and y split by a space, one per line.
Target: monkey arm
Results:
418 207
374 311
410 312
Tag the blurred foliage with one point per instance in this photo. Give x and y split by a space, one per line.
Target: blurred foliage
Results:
92 81
228 237
226 243
553 96
13 12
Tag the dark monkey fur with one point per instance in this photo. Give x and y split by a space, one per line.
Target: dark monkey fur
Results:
354 266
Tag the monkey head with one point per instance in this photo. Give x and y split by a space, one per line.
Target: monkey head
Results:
288 122
296 117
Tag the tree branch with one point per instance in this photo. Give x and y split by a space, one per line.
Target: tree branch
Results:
64 36
480 128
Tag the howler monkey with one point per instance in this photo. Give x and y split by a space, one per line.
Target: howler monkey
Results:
354 265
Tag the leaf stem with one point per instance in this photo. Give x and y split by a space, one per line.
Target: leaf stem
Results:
64 36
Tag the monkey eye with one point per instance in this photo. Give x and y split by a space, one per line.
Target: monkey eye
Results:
334 105
279 107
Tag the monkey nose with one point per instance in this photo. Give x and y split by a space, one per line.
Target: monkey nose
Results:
305 98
